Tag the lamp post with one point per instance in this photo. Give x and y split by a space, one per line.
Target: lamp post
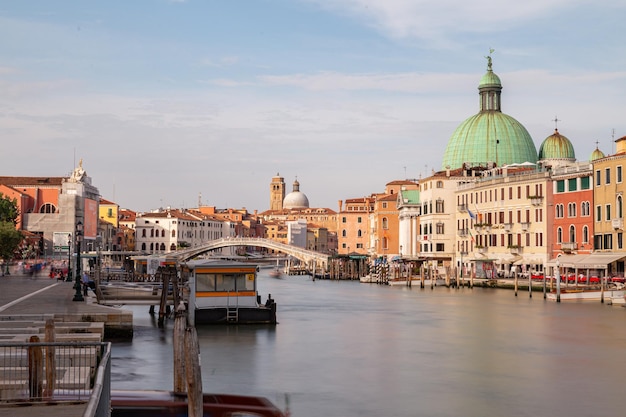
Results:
78 295
69 258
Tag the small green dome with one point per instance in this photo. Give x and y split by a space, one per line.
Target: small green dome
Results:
490 135
490 79
556 146
596 154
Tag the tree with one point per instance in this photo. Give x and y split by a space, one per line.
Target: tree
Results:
10 238
8 209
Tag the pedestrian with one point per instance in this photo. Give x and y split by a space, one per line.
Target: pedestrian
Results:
85 280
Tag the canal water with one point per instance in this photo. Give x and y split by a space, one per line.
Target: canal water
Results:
346 349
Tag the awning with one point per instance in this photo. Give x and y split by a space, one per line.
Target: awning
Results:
598 260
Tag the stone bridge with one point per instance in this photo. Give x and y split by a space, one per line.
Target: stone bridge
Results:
314 261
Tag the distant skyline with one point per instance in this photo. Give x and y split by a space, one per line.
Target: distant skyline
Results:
165 101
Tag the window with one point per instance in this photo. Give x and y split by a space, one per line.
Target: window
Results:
571 210
598 213
358 219
619 174
343 220
572 234
585 208
173 233
559 235
558 211
619 207
344 233
385 223
598 179
439 206
440 247
619 240
585 234
607 176
571 184
47 208
439 184
439 228
608 241
359 233
560 186
608 212
384 205
584 183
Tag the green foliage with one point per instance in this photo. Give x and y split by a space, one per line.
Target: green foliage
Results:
10 240
8 209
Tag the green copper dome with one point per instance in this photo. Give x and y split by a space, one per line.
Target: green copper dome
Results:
556 146
596 154
490 135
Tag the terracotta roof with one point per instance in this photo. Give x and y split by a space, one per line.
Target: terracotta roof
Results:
31 181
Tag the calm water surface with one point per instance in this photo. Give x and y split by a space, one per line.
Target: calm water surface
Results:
349 349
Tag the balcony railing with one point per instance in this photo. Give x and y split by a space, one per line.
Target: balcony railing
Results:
463 232
617 223
508 226
525 225
515 250
462 207
536 200
568 246
481 249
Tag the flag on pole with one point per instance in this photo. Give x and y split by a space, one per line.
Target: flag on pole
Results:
472 215
472 237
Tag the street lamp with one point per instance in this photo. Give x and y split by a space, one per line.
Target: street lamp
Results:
69 258
78 295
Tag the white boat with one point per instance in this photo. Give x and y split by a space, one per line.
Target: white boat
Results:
581 295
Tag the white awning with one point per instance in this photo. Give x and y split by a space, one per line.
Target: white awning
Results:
598 260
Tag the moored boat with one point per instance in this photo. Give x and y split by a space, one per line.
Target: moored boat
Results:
168 404
224 292
583 294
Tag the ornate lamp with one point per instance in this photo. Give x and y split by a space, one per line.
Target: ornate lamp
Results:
78 295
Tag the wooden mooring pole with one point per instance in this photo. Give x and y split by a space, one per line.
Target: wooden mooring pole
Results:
193 373
35 369
51 369
180 322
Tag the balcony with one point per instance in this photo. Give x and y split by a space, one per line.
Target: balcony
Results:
617 224
462 207
515 249
481 249
525 226
536 200
508 226
463 232
568 247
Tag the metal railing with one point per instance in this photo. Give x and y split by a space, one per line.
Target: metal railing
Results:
57 372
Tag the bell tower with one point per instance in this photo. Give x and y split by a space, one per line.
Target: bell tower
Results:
277 192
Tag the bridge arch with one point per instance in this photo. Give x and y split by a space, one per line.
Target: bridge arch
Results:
314 261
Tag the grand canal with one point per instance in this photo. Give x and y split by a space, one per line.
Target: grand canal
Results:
349 349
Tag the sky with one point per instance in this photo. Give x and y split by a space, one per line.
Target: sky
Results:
175 103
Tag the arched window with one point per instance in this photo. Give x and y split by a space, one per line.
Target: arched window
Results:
358 233
559 235
619 207
151 247
585 234
344 233
143 234
173 233
162 233
385 223
48 208
572 234
162 246
172 247
143 245
151 232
